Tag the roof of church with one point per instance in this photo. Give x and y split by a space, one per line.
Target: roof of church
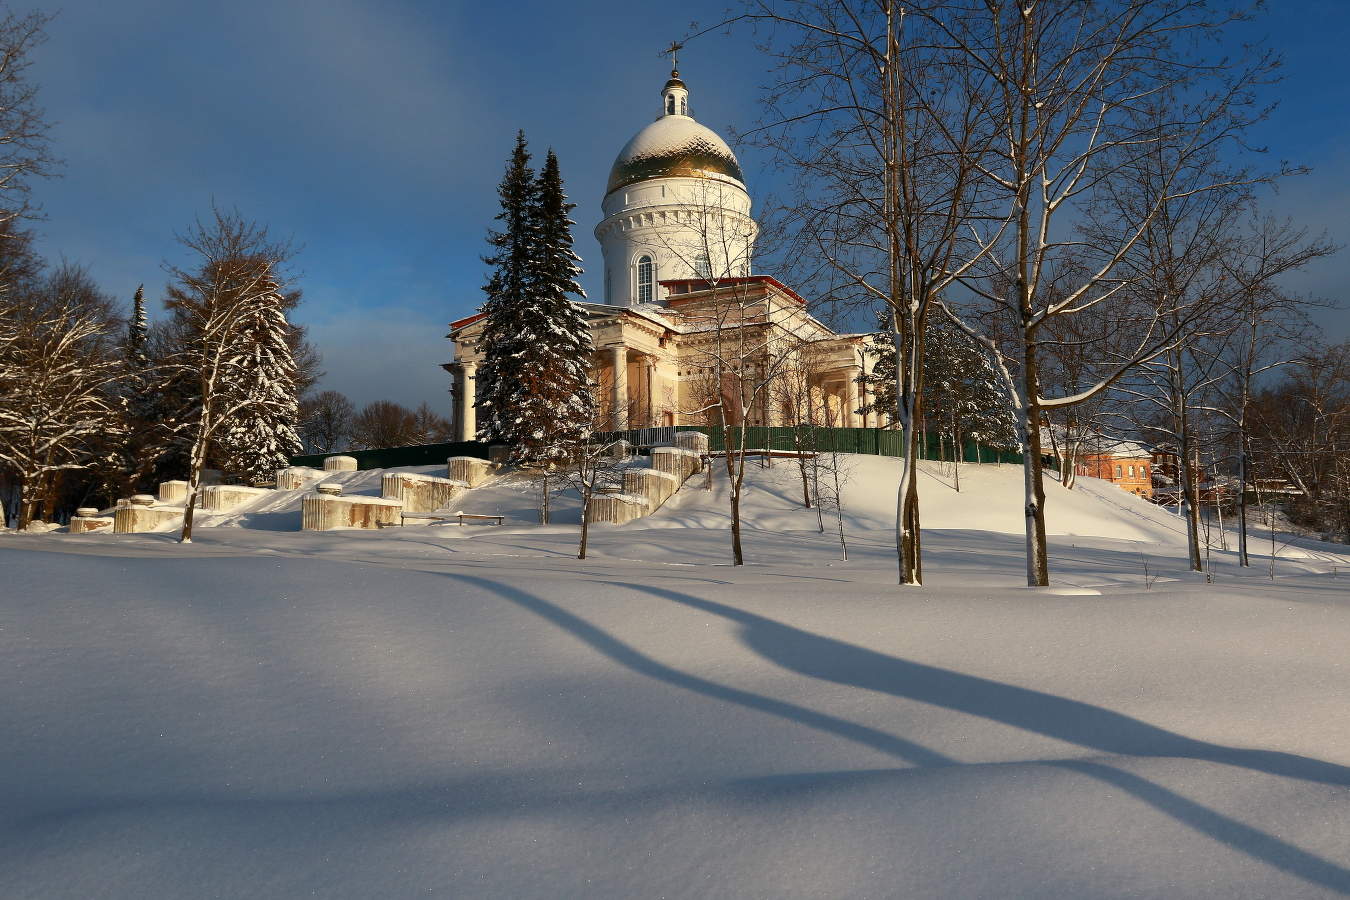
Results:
674 145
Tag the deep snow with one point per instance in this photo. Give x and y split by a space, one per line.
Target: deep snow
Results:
471 712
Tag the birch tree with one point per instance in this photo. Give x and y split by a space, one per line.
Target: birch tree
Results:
885 128
1083 92
238 276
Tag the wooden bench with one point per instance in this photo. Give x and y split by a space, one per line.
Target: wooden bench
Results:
495 520
441 516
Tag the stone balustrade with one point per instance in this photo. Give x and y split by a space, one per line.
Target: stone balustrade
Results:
325 512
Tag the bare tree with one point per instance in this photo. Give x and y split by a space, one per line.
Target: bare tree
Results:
1082 93
58 366
326 421
886 127
237 270
384 423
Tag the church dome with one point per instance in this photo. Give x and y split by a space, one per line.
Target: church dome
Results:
674 145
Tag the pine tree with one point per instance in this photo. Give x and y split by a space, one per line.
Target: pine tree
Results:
260 378
138 333
533 390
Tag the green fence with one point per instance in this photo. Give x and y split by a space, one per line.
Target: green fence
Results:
870 441
389 457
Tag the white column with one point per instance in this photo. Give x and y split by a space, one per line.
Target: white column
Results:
620 387
649 386
851 387
468 419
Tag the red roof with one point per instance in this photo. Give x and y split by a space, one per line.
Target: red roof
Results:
468 320
704 284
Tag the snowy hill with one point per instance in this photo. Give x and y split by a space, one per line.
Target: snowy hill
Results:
473 712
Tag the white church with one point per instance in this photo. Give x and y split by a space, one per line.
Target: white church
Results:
678 242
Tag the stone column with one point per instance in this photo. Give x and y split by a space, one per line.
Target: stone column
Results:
851 417
468 419
649 386
620 387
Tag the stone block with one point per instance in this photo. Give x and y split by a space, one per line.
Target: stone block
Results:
677 461
419 493
293 478
173 491
86 524
325 512
222 497
469 469
134 518
616 509
340 464
692 440
653 486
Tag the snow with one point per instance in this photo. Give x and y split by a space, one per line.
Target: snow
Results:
472 712
673 136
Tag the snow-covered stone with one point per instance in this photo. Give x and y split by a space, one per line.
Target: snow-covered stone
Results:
329 488
654 486
142 500
469 469
293 478
325 512
138 517
173 491
678 461
419 493
223 497
82 523
340 464
696 441
616 509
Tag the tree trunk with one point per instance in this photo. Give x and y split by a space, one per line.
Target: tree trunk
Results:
585 522
1033 484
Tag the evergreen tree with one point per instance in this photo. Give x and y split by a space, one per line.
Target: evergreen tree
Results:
533 391
260 378
138 333
962 396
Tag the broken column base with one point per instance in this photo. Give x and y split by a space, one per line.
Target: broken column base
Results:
134 519
419 493
616 509
86 524
325 512
469 469
222 497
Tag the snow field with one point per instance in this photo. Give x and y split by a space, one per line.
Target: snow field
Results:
472 712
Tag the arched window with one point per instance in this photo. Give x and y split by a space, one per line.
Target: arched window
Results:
646 279
702 268
684 107
670 105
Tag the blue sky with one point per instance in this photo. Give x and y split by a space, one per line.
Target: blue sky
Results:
374 133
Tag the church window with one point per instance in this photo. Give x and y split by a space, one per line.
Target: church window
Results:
645 279
670 105
702 268
684 107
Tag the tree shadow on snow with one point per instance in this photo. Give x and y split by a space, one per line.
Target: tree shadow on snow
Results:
1073 721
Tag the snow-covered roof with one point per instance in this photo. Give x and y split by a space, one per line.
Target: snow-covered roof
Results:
674 146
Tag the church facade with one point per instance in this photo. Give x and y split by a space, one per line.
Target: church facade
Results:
681 300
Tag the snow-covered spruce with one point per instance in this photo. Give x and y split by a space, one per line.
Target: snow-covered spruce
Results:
533 389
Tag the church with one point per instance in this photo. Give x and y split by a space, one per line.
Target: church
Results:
677 240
